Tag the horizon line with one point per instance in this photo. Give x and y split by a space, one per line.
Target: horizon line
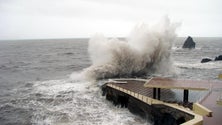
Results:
90 37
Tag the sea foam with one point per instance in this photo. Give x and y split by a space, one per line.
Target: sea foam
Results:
147 50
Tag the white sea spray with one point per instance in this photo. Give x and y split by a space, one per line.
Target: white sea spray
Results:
146 51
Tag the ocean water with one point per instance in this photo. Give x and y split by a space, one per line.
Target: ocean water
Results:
40 81
188 61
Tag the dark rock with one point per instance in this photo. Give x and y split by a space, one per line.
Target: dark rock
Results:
219 58
204 60
189 43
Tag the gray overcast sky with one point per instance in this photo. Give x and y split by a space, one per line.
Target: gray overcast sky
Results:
33 19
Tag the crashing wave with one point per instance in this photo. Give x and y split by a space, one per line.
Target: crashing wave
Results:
146 51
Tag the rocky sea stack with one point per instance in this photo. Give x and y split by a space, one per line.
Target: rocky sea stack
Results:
189 43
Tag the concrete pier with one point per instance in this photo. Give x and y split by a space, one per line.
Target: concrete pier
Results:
143 97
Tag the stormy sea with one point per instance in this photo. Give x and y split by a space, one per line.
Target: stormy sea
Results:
56 81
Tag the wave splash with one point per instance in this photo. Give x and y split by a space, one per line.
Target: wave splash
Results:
146 51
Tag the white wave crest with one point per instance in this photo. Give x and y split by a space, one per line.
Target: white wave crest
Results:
74 102
147 50
198 65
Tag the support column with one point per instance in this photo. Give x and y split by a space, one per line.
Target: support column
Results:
185 95
154 93
158 93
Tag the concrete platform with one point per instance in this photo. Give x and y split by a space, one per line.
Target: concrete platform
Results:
148 91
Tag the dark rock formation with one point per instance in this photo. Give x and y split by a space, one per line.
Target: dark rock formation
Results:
219 58
189 43
204 60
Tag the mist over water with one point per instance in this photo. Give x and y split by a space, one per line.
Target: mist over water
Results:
146 51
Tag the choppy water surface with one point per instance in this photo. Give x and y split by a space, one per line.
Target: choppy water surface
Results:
36 87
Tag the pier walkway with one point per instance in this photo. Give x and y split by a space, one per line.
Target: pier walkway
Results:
156 91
